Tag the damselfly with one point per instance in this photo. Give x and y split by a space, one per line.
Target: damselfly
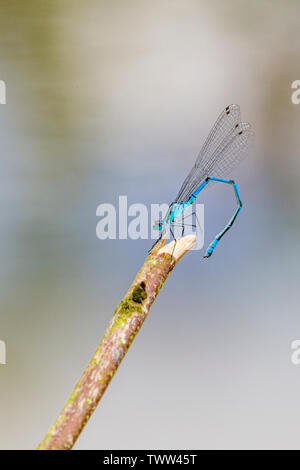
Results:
226 145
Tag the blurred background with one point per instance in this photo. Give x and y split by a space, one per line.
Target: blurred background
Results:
115 98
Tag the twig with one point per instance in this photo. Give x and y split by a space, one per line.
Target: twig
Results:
124 325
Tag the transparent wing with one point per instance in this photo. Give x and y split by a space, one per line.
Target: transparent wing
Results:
226 157
233 153
224 125
230 150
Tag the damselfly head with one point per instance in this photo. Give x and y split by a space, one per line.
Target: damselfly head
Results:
158 225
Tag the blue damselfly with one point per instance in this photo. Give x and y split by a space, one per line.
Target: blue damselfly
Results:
226 145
